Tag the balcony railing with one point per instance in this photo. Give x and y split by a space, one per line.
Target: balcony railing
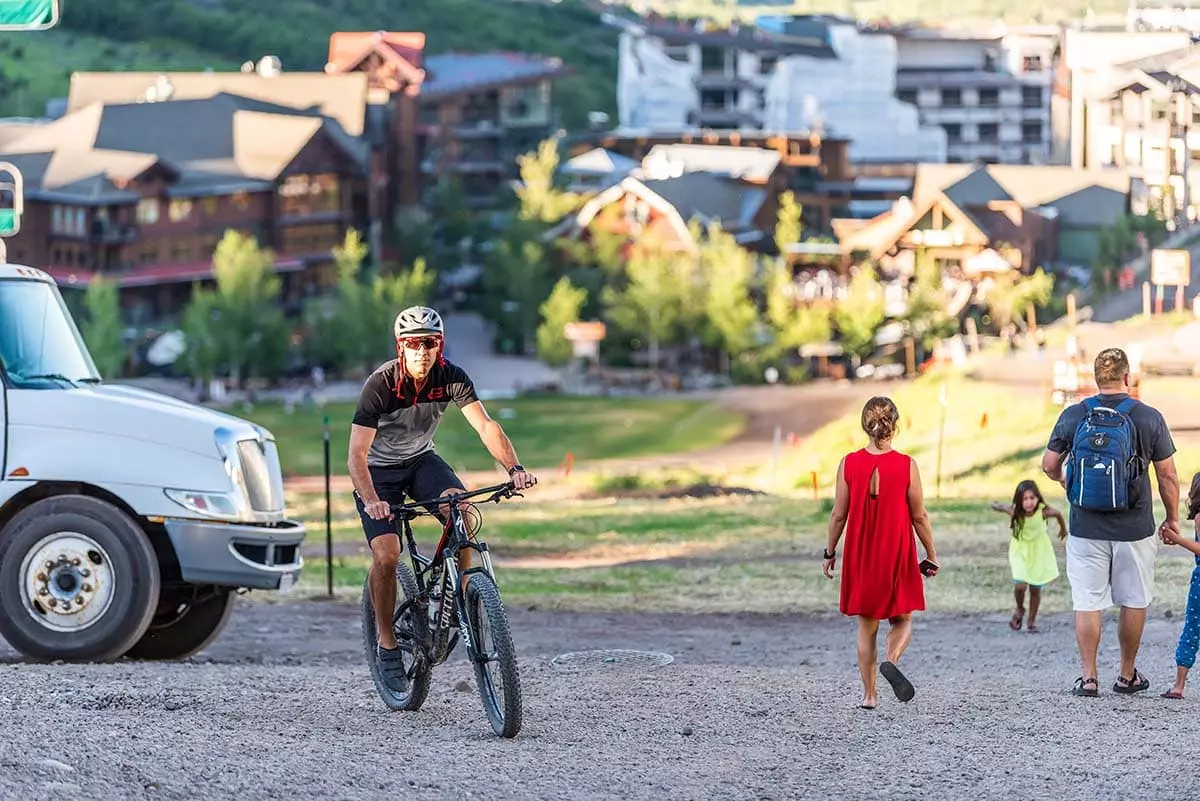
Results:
103 233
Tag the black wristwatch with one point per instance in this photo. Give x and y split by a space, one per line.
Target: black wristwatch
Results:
516 468
829 555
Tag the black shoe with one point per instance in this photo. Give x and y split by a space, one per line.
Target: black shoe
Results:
391 669
901 686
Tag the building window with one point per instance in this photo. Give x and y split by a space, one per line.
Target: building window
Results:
80 226
147 211
989 97
767 64
951 97
1031 97
56 220
302 195
1031 132
241 201
1031 63
1158 110
907 96
179 210
953 131
208 206
712 59
681 53
989 132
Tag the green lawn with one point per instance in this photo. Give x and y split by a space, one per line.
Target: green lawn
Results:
993 438
715 555
543 430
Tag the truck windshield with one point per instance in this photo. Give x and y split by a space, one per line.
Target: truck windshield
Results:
39 344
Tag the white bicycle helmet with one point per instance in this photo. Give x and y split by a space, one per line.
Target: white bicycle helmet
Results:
417 320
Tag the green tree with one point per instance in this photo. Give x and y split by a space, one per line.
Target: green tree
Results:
859 314
927 318
650 307
564 305
242 312
792 325
516 281
102 329
788 225
201 320
726 272
1010 295
539 197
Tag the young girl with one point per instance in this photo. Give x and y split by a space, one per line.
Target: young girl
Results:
1030 552
1189 638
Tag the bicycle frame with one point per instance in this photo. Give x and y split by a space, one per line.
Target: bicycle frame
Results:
435 640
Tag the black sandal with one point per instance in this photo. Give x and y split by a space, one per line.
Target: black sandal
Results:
1081 689
901 686
1131 686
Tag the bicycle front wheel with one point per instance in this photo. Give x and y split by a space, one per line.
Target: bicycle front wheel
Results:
494 658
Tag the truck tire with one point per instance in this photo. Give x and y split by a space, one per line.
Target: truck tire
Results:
187 621
76 553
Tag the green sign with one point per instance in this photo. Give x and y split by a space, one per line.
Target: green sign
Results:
9 222
28 15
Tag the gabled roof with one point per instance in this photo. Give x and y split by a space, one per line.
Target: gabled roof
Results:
1083 198
880 233
223 142
348 49
600 162
341 96
452 73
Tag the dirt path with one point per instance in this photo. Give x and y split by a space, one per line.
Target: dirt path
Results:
751 708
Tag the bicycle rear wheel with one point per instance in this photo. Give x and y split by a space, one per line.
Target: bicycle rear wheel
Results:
494 658
414 659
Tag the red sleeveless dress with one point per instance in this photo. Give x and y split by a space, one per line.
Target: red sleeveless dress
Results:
880 574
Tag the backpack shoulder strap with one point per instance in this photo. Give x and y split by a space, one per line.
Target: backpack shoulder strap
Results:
1091 402
1126 406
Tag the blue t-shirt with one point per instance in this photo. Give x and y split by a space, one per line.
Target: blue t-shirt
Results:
1153 444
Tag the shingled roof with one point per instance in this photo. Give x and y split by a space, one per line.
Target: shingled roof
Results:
342 96
212 146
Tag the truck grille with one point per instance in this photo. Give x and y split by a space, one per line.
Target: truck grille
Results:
264 482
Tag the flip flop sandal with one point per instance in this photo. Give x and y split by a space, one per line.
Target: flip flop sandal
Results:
1130 686
1033 629
1081 688
1015 622
901 686
1172 694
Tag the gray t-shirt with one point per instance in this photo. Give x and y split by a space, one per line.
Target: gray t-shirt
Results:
406 420
1153 444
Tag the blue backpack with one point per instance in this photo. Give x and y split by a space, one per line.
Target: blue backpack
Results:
1103 461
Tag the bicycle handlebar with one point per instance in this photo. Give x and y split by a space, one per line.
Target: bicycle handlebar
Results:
417 508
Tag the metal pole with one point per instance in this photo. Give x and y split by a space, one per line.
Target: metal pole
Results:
328 516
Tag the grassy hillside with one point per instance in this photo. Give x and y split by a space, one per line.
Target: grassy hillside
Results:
104 34
35 67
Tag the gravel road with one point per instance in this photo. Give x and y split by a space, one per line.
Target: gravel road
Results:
753 707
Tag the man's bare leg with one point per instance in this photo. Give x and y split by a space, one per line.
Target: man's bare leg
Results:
385 555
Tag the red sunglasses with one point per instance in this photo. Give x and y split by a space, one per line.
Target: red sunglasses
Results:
416 343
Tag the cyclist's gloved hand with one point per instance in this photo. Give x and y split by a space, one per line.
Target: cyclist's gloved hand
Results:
521 478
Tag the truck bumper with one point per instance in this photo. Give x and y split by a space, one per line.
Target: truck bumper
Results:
237 555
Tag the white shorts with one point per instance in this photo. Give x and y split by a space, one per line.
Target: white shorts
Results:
1103 573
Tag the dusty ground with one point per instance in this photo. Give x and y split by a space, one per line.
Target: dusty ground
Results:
751 708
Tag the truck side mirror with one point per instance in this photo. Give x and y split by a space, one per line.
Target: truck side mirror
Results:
12 198
29 15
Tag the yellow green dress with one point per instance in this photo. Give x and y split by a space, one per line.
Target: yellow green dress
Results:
1031 554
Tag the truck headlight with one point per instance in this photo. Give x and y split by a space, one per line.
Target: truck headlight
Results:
206 504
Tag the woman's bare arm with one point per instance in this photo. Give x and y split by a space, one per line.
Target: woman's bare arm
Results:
837 518
1006 508
916 510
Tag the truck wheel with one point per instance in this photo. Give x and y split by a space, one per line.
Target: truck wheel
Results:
78 580
186 622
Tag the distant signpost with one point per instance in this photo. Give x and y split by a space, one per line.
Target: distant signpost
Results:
29 15
1170 268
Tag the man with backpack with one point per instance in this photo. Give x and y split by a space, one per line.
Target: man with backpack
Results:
1100 451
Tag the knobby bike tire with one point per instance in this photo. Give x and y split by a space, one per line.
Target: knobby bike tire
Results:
504 713
418 688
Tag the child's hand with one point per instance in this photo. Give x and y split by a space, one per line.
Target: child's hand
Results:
1171 534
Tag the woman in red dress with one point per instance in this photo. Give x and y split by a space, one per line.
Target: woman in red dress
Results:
879 503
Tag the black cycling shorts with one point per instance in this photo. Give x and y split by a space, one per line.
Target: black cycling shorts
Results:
427 476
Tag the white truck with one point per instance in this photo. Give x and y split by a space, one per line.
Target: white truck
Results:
128 519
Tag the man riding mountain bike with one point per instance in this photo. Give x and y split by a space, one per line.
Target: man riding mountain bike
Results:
392 454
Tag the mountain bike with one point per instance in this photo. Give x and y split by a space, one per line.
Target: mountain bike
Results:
436 601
